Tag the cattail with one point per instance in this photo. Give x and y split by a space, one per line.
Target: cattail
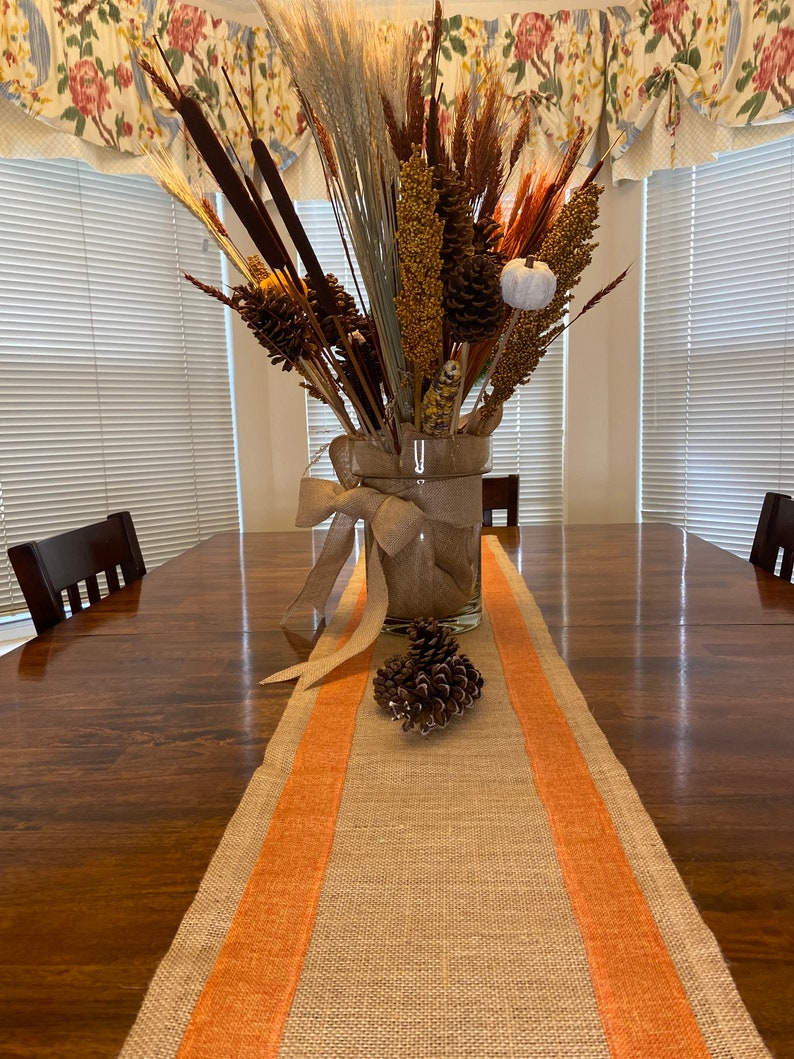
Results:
228 179
286 210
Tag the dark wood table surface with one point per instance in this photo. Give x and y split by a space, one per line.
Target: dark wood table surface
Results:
128 734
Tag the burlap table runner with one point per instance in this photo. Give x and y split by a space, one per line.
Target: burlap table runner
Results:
495 889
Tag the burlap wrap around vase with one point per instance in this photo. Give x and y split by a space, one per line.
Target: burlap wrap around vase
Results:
437 574
422 513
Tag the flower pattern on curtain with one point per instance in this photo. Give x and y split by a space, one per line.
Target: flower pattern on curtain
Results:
679 78
555 63
15 58
73 65
696 74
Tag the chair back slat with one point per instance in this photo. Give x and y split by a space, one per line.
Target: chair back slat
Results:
112 578
787 564
75 598
92 587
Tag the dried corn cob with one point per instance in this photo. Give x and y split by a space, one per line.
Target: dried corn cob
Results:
439 401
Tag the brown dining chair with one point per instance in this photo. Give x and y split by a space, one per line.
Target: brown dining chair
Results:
46 569
775 531
500 494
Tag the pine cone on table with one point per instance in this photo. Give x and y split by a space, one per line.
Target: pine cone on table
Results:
429 643
431 684
388 680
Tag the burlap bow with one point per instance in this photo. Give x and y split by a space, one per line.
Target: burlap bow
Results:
394 522
454 466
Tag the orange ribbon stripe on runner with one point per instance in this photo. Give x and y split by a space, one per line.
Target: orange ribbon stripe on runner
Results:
643 1005
247 997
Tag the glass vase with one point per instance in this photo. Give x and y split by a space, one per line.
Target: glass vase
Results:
437 574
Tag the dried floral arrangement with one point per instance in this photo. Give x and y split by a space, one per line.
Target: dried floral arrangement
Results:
459 291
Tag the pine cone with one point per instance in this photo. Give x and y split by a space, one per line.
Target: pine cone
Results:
487 233
346 310
455 213
418 706
358 329
431 684
279 325
437 694
429 643
367 359
473 299
395 672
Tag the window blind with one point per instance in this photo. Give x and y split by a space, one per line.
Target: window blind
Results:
114 377
718 343
528 441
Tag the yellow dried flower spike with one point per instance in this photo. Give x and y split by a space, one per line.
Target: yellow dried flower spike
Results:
419 236
567 250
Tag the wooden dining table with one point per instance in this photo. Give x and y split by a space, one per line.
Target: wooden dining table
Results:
128 735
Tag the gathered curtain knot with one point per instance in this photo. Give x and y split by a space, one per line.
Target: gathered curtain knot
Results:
677 76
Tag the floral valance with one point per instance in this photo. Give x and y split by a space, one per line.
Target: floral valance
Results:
553 63
679 79
74 66
686 78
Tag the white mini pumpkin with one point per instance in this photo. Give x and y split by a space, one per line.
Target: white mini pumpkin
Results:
528 284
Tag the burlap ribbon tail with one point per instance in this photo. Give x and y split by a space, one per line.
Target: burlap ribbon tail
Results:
394 523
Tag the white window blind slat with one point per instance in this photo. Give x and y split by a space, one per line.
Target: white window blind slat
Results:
114 382
529 440
718 343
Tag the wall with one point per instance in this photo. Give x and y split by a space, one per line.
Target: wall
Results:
270 416
602 413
